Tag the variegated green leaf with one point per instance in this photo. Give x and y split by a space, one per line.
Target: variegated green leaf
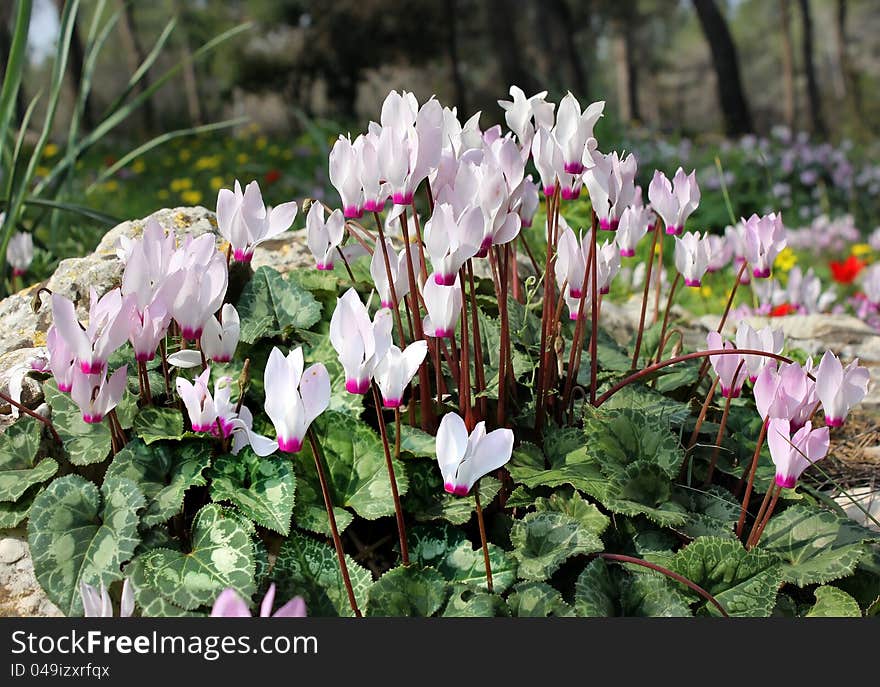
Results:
84 443
408 591
544 540
19 467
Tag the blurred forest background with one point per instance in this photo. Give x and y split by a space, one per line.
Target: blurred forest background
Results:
674 66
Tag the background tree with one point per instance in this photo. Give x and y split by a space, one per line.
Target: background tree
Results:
813 98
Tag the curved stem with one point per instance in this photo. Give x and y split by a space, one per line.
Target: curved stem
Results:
636 376
337 542
723 321
27 411
662 343
393 291
702 417
745 502
482 526
635 362
398 509
669 573
757 535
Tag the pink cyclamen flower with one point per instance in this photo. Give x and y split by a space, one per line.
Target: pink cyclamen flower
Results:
62 359
571 259
786 392
195 293
109 318
96 395
345 176
793 454
450 242
19 252
726 366
767 339
611 184
720 252
399 273
444 308
294 396
97 603
871 283
675 201
692 257
574 132
147 329
229 604
198 401
632 227
522 114
360 344
529 202
764 237
464 458
244 220
840 388
324 235
396 369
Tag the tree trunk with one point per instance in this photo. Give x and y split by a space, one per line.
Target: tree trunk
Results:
75 60
452 51
813 97
632 65
619 51
789 105
134 54
565 30
508 51
850 79
734 107
190 82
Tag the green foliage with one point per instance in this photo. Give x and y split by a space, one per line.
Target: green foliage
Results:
465 602
77 534
544 540
408 591
271 306
261 488
832 602
603 592
537 600
19 467
155 424
84 443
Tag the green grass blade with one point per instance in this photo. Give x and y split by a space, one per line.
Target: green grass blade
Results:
15 65
72 208
19 143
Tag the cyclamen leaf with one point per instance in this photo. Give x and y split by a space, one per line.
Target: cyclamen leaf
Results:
465 602
427 500
164 472
13 513
816 546
414 441
537 600
642 488
222 556
147 599
408 591
601 591
78 534
154 424
18 450
569 502
310 568
544 540
269 305
832 602
261 488
84 443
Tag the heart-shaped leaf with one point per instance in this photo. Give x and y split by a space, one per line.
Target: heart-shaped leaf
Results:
408 591
19 470
603 592
13 513
155 424
164 472
149 601
537 600
310 568
816 546
466 602
261 488
77 534
84 443
270 305
642 488
569 502
544 540
222 556
832 602
427 500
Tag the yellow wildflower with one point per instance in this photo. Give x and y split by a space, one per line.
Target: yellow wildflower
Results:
185 155
705 291
261 142
217 183
138 166
111 185
42 171
208 162
178 185
786 259
861 249
191 197
241 158
51 150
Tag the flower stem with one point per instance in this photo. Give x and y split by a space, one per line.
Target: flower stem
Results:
398 509
702 416
753 542
504 354
387 261
747 496
553 204
718 437
594 310
648 269
705 365
662 344
760 516
337 542
659 282
478 344
32 413
482 526
165 371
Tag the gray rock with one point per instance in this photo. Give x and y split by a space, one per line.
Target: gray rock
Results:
12 550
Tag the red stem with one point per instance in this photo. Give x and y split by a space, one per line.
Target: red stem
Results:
650 267
483 540
27 411
745 502
398 509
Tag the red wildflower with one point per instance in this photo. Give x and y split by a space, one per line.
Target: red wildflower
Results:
845 272
783 310
272 176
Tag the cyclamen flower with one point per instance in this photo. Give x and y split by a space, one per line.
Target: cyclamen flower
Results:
611 184
109 318
444 308
97 604
345 176
574 132
764 238
871 283
793 454
396 369
529 202
451 243
198 401
399 273
720 252
324 235
62 359
549 161
465 458
95 395
727 367
219 340
692 257
360 344
294 396
244 221
147 329
675 201
632 227
787 393
20 252
194 294
230 605
840 388
571 259
520 112
767 339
